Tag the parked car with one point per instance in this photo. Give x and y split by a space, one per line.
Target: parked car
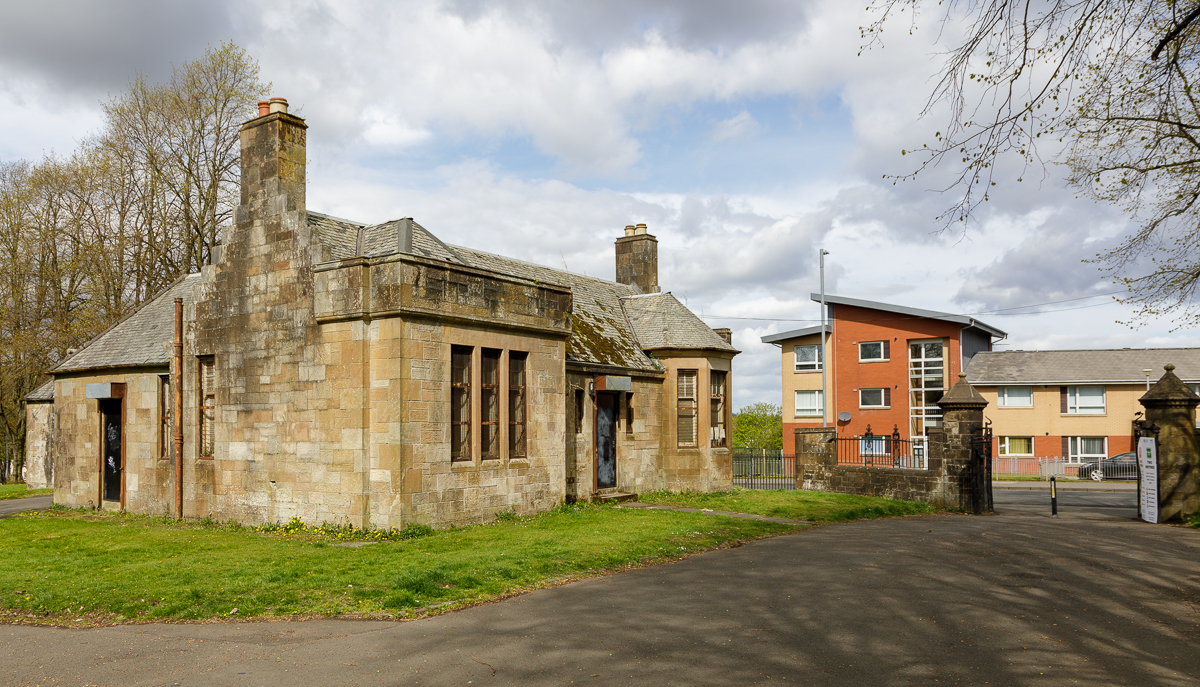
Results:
1120 466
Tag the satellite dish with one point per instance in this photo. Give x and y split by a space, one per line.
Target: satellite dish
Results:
844 416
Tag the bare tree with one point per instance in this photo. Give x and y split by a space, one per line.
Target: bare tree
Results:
1107 88
86 238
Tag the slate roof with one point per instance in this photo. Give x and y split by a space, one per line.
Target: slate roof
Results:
138 338
341 239
600 331
912 312
661 321
1109 366
611 324
794 334
43 393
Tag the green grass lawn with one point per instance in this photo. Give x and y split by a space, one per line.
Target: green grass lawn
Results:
800 505
20 491
78 568
60 565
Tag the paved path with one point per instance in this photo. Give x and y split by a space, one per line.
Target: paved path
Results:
10 507
1088 485
1012 599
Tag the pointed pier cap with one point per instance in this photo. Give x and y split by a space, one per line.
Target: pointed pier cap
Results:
1170 392
962 397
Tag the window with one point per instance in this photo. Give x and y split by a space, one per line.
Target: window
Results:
872 446
716 408
516 405
1014 397
629 412
489 405
875 398
874 350
166 439
460 403
208 405
1016 446
926 385
579 411
1086 449
686 395
808 358
1082 400
809 404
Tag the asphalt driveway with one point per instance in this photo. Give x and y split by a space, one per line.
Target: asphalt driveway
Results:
1011 599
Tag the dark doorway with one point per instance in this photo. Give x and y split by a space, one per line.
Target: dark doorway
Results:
606 448
110 428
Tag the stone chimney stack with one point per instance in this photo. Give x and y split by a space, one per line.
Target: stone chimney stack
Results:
273 159
637 259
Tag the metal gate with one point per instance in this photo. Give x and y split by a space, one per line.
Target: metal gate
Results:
978 479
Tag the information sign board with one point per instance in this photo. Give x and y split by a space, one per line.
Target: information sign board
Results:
1147 458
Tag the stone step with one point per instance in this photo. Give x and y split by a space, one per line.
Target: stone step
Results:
614 497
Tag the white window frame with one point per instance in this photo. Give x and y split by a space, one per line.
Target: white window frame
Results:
811 411
808 366
1003 400
1075 408
861 359
1074 456
1004 446
882 398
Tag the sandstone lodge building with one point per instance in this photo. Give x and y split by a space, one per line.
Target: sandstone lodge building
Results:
333 371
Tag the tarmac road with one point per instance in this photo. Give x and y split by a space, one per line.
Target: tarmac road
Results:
10 507
1016 598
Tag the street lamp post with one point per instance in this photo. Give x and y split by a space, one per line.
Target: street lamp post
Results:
824 358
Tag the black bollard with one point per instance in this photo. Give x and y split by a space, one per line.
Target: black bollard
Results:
1053 498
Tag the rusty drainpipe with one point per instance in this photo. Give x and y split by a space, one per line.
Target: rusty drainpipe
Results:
178 384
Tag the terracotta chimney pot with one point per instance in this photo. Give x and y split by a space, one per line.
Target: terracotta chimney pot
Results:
264 108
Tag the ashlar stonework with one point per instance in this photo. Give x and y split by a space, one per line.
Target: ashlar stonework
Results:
334 371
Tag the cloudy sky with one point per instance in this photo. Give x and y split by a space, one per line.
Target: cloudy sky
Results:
746 135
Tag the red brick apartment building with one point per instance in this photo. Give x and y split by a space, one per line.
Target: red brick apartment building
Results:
888 366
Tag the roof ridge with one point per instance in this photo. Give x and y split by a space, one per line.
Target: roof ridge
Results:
1093 350
547 267
336 219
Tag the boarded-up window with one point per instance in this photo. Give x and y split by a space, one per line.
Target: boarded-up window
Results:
686 394
716 407
629 412
489 405
579 411
165 426
208 405
516 405
460 403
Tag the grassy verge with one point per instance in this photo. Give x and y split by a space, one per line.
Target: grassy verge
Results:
20 491
799 505
80 568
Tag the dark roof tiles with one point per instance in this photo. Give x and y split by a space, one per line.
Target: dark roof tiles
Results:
141 338
1124 365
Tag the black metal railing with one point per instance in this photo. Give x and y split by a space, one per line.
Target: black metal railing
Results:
882 451
758 468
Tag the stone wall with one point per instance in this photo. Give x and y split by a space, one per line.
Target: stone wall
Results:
941 484
945 483
77 447
39 442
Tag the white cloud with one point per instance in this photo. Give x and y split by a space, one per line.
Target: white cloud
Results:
738 126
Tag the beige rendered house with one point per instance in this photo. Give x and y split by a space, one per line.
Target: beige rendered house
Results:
1079 405
334 371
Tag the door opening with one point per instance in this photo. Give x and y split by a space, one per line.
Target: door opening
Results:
110 449
606 447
